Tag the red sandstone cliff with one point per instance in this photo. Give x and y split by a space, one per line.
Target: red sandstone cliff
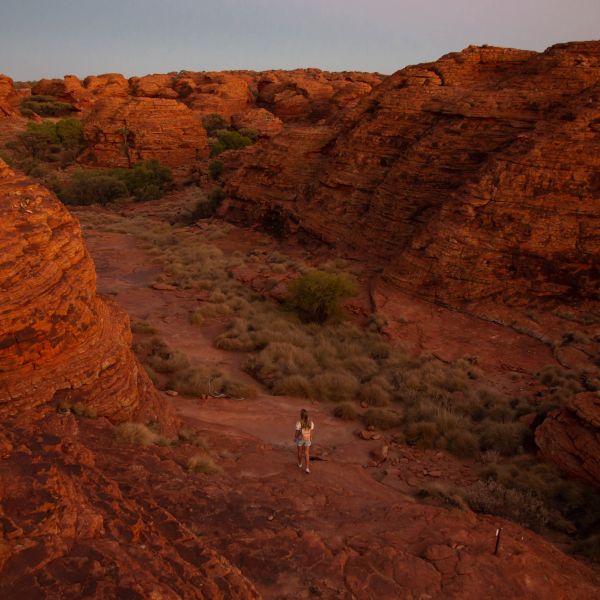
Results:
58 340
468 178
8 97
122 131
67 530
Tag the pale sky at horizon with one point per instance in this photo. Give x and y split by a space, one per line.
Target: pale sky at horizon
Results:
56 37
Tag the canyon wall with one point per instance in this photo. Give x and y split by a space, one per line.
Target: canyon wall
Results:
469 178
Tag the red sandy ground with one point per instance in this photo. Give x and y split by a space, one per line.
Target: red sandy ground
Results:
344 531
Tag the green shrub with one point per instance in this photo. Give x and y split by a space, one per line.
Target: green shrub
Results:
215 168
506 438
144 181
70 132
493 498
229 140
252 134
317 295
213 123
192 381
206 207
136 434
423 434
234 388
336 386
92 188
45 106
293 385
160 357
142 327
374 394
463 443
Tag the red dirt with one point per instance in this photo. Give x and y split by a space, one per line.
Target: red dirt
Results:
345 530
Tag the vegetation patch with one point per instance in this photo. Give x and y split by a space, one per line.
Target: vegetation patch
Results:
45 146
136 434
147 180
203 463
317 295
45 106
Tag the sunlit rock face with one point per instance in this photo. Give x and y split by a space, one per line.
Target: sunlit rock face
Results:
473 177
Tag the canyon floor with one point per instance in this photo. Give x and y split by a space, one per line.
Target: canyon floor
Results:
354 527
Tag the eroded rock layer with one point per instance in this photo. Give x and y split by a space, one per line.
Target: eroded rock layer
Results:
8 97
472 177
59 342
67 530
70 531
122 131
570 437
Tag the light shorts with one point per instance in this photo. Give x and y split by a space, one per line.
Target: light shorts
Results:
301 443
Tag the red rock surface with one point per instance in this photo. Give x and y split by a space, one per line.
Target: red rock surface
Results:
71 531
259 119
472 177
153 86
59 342
310 93
69 89
9 97
67 530
207 93
570 437
107 85
122 131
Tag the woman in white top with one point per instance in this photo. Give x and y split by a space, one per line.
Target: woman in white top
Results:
303 438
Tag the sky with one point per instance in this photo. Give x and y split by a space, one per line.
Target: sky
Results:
51 38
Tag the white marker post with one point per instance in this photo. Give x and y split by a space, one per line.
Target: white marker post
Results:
498 533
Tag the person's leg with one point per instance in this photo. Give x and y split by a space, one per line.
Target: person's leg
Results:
307 457
299 455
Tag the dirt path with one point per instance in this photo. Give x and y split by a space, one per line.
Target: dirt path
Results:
269 418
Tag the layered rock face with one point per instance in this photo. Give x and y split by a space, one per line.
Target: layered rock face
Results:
59 342
310 93
469 178
122 131
570 437
67 529
8 97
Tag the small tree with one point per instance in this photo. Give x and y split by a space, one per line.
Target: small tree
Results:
317 295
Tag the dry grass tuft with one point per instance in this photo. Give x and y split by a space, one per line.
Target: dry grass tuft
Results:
135 434
345 411
382 419
142 327
203 463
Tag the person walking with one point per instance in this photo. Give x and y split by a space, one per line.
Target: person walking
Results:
303 439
